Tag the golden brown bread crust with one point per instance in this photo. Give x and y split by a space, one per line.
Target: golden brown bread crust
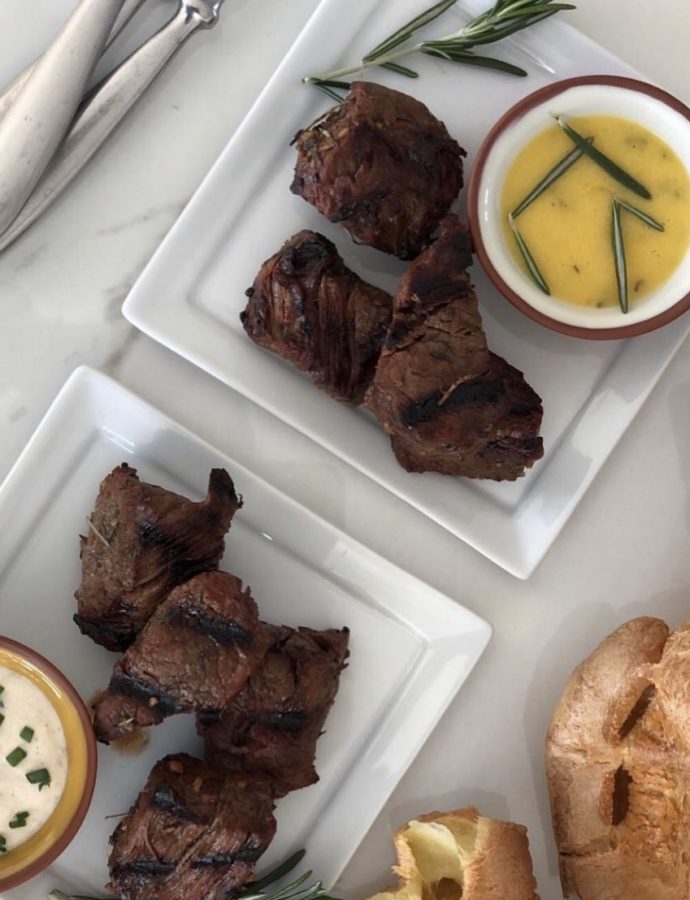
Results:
618 767
462 854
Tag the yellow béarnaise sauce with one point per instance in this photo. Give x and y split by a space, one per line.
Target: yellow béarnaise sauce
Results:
568 228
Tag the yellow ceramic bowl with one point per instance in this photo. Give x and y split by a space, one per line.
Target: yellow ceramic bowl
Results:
28 859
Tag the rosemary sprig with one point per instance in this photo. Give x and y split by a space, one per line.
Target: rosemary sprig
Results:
256 890
641 214
619 255
504 18
530 262
559 169
603 161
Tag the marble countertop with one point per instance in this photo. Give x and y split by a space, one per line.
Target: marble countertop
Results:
623 553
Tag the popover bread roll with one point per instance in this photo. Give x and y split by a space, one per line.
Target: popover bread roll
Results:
618 767
460 854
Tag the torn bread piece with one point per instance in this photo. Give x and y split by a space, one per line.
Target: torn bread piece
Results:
618 767
460 854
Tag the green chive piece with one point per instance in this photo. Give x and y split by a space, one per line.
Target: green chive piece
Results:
641 214
40 777
2 688
559 169
27 734
529 260
603 161
19 820
3 844
16 756
619 256
2 718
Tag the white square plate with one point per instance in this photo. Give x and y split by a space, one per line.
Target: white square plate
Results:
190 296
411 647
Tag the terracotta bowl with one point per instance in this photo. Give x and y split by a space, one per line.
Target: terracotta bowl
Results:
40 850
589 95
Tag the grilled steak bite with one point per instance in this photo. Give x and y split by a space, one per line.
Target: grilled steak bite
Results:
382 166
142 542
492 433
449 404
308 307
195 653
273 724
192 833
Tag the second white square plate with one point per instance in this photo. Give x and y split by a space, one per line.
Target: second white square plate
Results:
411 647
190 296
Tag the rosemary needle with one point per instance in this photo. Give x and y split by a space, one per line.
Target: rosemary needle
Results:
641 214
603 161
529 260
619 256
559 169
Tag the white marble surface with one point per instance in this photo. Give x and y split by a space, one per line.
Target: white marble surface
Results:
625 550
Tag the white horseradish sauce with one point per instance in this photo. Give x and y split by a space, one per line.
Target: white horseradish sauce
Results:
32 737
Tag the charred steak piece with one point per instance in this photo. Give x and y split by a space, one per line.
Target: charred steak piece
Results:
142 542
502 420
273 724
308 307
450 405
192 833
195 653
382 166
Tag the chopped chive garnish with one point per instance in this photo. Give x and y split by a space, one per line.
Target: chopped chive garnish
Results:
41 777
619 256
559 169
643 216
2 718
27 734
16 756
2 688
529 260
3 844
19 820
603 161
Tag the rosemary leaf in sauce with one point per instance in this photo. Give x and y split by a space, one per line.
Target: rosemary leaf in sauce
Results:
529 260
19 821
619 256
16 756
603 161
641 214
559 169
40 777
27 734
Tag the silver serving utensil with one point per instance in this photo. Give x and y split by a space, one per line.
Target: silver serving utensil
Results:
9 94
41 114
107 104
